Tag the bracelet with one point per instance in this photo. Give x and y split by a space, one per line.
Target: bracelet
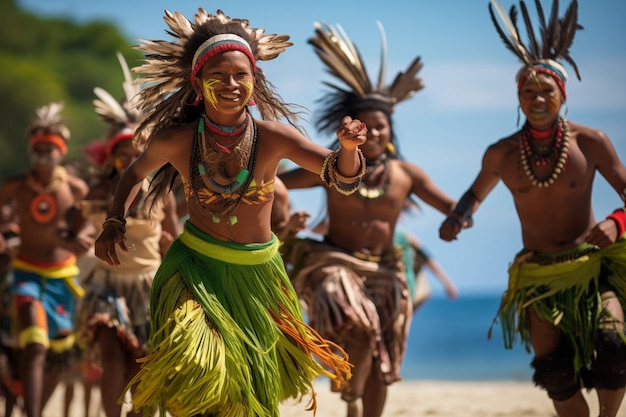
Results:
619 217
116 221
332 177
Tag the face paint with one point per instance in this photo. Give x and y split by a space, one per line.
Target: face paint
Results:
208 86
44 160
249 87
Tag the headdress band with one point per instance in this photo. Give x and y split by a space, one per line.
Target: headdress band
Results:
56 140
548 67
216 45
125 134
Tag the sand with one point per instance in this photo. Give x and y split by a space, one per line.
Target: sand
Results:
407 398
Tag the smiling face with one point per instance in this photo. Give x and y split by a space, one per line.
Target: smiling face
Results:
226 82
378 133
540 100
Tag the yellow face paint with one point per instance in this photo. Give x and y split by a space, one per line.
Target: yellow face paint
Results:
209 91
249 86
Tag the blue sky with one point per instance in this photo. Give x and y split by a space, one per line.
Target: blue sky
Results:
469 100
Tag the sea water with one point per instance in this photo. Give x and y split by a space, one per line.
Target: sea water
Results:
449 341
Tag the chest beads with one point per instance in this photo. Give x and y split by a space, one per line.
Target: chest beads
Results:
215 158
558 152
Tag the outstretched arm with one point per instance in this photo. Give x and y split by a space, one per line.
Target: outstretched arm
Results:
487 179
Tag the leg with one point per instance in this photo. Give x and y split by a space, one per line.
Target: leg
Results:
553 369
32 358
113 370
32 363
374 397
359 348
132 367
609 370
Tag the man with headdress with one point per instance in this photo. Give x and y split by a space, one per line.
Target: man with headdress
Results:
567 287
227 332
44 267
354 284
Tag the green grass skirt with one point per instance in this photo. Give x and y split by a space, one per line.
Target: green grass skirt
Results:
228 336
566 294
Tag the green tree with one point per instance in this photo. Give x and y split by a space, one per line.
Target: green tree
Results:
46 59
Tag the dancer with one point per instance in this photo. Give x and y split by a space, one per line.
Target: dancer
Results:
354 283
417 260
227 333
114 320
567 286
44 267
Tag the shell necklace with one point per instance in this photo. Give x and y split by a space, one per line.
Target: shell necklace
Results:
560 147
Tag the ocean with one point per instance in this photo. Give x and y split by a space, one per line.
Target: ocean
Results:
448 341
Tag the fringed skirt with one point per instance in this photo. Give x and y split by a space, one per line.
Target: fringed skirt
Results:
344 294
227 334
120 302
564 289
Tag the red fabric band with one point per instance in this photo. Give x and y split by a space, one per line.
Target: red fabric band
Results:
619 217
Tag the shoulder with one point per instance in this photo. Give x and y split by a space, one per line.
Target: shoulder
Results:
587 135
277 129
78 186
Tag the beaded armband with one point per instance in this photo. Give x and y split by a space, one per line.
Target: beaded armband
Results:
331 176
115 221
619 217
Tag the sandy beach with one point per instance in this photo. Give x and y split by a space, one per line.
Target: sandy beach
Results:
407 398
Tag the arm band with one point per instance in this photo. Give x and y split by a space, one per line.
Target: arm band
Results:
332 177
619 217
464 209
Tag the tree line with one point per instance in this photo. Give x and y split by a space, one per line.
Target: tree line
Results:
46 59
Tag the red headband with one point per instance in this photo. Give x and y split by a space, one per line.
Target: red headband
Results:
218 44
56 140
125 134
544 69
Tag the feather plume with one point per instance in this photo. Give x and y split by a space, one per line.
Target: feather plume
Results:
344 62
556 34
118 114
48 119
167 91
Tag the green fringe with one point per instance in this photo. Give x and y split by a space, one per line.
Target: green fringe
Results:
215 347
566 294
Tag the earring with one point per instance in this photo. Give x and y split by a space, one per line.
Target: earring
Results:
198 99
519 111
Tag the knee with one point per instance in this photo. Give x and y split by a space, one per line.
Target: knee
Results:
608 369
555 373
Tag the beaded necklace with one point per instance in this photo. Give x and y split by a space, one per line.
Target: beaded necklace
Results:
242 180
227 130
367 192
560 147
215 157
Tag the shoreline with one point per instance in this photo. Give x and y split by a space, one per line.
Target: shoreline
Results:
433 398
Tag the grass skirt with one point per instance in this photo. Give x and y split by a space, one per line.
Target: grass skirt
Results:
228 337
565 293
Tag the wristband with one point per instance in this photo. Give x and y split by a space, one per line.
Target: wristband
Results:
619 217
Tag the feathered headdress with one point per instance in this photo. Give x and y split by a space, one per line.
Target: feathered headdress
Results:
168 68
121 117
49 126
344 62
543 52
